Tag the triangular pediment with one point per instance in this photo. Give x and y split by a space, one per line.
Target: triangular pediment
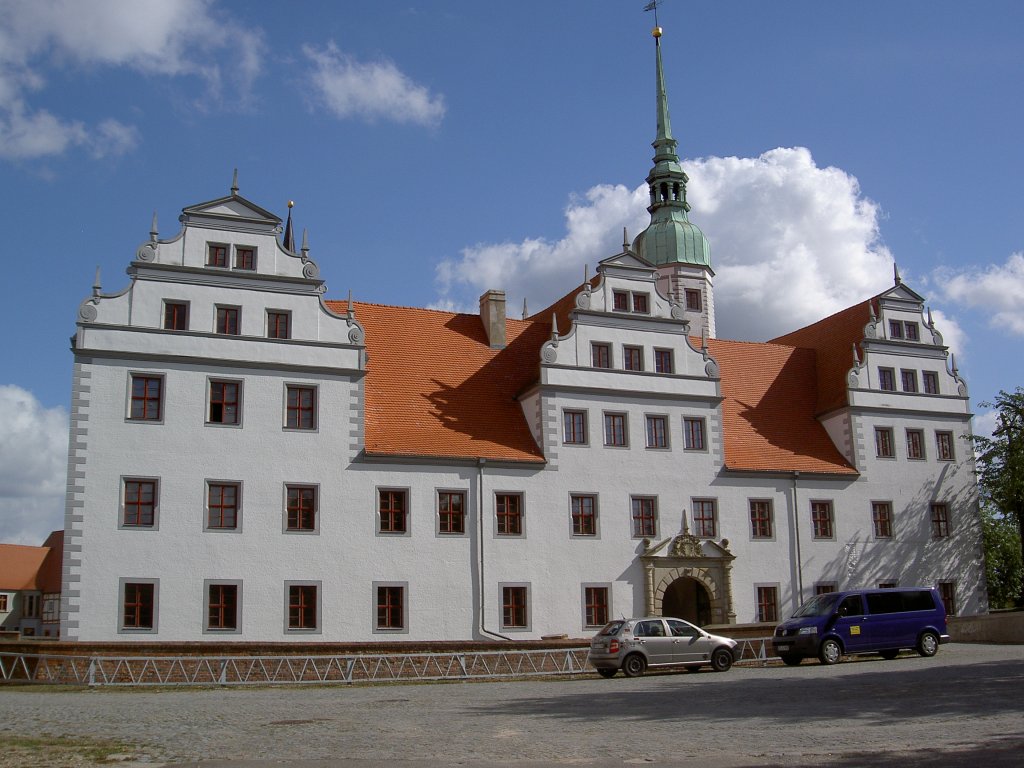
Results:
901 294
686 546
627 260
232 207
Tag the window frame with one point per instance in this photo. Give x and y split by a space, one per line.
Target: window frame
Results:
227 309
766 603
504 592
577 517
173 305
915 445
314 409
661 355
317 627
123 628
624 416
947 588
911 331
145 398
881 519
944 445
768 520
299 530
621 301
402 515
461 515
694 306
592 619
601 352
665 444
896 329
940 520
225 256
387 628
886 376
237 258
885 443
700 529
4 602
908 381
208 629
639 522
211 382
504 519
632 358
584 425
212 483
122 517
930 382
272 328
824 587
823 528
689 444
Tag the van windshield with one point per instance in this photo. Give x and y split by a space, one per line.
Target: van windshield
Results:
822 605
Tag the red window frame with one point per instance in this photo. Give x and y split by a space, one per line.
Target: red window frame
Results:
915 444
451 511
222 505
147 398
947 591
390 607
574 427
657 431
601 355
768 604
216 255
595 601
693 299
760 519
663 362
930 382
222 606
224 402
940 521
908 380
693 431
615 430
881 519
301 508
3 602
884 448
887 379
302 608
393 508
175 316
821 519
227 321
278 325
508 509
632 358
825 588
245 258
620 301
944 446
705 523
645 517
583 510
300 408
139 504
895 329
910 331
514 614
137 609
641 304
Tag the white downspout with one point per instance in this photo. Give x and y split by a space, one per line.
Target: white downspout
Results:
796 530
482 590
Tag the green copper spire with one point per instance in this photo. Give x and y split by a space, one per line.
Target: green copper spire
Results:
670 237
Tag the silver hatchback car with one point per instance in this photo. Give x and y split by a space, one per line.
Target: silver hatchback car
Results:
633 645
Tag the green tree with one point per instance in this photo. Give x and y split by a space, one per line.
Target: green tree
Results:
1004 564
1000 463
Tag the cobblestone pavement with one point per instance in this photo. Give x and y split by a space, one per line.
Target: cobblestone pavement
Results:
963 707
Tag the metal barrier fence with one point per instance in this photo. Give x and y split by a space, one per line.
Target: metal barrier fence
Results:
317 670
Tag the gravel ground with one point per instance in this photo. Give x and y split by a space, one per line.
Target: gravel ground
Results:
962 707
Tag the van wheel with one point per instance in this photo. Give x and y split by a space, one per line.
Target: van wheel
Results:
830 651
889 653
790 660
634 665
607 674
721 660
928 645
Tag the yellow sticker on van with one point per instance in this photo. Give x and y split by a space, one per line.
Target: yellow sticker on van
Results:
855 629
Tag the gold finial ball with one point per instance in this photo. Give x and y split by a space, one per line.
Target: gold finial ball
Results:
291 203
656 32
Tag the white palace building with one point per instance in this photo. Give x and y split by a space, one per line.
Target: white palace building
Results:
252 461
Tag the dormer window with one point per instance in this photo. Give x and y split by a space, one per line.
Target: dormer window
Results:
245 257
904 330
176 315
620 301
624 301
216 255
910 331
640 303
693 302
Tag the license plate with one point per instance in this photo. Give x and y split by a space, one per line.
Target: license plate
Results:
782 647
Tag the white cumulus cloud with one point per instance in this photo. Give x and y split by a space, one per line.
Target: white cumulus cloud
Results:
33 466
791 243
162 37
996 289
369 90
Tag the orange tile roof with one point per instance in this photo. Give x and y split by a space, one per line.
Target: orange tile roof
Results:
769 410
50 575
434 388
19 566
832 339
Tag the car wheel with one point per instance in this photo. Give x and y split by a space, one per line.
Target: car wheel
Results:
607 674
830 651
928 645
634 665
889 653
790 660
692 667
721 660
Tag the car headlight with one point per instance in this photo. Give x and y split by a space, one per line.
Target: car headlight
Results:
808 631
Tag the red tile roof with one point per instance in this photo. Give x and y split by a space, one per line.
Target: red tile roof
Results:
32 568
434 387
768 410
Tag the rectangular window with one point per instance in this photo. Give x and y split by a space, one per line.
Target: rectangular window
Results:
645 517
595 606
887 585
915 444
51 607
222 607
641 303
887 379
944 446
139 504
300 407
147 397
615 429
575 427
393 508
693 434
821 519
224 402
3 603
222 506
300 508
303 606
895 329
881 519
824 587
768 604
175 316
514 608
910 331
601 355
909 380
584 514
390 607
760 518
278 324
509 512
704 518
216 255
227 321
663 362
451 512
632 358
930 380
693 302
620 301
245 258
138 605
883 443
947 591
940 521
657 431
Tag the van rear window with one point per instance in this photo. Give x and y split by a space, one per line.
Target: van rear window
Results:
900 602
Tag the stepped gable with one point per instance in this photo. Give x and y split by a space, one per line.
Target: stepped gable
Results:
768 411
435 388
832 340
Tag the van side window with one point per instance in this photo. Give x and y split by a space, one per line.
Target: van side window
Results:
851 606
885 602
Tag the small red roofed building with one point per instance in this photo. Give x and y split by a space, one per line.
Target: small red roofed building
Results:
30 588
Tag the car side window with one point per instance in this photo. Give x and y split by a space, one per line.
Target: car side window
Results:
679 629
649 629
850 606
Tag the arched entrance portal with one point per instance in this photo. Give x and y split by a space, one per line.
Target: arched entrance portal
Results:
687 598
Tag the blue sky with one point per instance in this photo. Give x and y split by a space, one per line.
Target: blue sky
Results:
437 149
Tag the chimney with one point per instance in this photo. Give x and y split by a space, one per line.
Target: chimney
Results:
492 315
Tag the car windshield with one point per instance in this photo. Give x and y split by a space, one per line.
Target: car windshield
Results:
822 605
612 628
